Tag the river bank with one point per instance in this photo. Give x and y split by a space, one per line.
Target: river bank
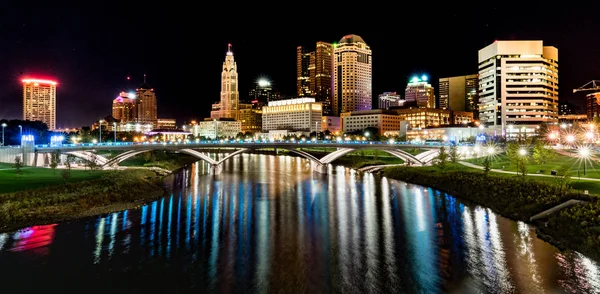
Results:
576 227
114 191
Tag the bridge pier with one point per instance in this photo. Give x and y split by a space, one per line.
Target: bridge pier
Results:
216 169
319 168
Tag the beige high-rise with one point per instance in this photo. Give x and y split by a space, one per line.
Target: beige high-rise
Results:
39 101
518 85
230 96
352 75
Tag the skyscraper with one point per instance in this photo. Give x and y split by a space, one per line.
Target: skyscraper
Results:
389 99
262 92
518 85
419 93
230 97
145 109
122 107
459 93
39 101
352 75
314 74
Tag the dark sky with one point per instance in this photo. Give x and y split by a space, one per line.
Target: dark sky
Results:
91 48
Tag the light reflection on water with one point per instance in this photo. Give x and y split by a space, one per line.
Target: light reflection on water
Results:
268 224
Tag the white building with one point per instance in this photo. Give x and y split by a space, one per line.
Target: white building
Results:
217 128
386 121
298 114
352 85
518 85
39 101
389 99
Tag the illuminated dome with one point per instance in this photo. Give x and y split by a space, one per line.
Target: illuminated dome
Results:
352 39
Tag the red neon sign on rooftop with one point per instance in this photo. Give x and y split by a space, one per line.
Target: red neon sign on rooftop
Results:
27 81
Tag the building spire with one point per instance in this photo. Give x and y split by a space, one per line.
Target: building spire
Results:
144 78
229 49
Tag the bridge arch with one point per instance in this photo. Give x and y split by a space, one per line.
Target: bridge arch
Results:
89 156
329 158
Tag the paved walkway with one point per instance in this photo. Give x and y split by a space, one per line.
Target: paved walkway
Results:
514 173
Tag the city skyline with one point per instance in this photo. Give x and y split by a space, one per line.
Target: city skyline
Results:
91 72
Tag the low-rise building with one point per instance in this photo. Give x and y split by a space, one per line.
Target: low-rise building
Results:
298 114
387 122
250 115
166 123
433 117
217 128
450 134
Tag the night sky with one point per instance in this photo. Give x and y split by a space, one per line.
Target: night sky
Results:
91 49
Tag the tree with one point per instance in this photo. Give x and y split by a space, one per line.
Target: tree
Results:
542 154
66 172
487 165
92 162
512 152
563 174
522 165
442 158
18 164
454 154
54 159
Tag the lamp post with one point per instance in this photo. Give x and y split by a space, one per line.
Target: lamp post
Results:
584 153
3 126
99 131
115 131
523 153
21 134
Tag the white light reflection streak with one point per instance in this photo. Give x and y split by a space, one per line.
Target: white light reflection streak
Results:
113 233
471 246
3 240
526 252
99 238
263 265
371 228
388 231
343 223
498 255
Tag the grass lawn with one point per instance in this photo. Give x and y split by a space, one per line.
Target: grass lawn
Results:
576 165
37 177
580 185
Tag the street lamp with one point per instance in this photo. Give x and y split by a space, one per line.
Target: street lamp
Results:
115 132
100 131
584 153
21 134
3 126
491 150
523 153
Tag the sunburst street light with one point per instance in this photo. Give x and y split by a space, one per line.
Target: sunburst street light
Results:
584 154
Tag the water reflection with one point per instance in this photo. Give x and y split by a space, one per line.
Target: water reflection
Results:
269 224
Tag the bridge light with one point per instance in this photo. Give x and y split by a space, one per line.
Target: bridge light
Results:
391 141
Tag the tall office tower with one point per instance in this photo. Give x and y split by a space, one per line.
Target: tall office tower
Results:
419 93
518 84
230 97
262 92
39 101
459 93
352 75
145 109
389 99
303 64
122 107
315 74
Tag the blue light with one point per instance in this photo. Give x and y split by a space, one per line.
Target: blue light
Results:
424 78
27 138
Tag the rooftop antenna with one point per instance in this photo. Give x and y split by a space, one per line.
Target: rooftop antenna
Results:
144 78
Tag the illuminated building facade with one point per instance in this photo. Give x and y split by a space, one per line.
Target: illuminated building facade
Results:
299 114
213 129
352 75
145 109
230 97
332 124
39 101
315 74
166 124
518 85
122 108
387 122
419 93
433 117
250 115
593 105
389 99
459 93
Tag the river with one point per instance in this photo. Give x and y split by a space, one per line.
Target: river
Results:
269 224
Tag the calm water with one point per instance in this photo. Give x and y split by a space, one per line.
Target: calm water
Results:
268 224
